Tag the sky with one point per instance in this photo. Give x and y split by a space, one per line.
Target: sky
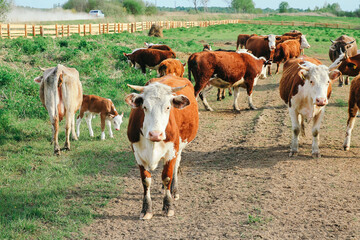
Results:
347 5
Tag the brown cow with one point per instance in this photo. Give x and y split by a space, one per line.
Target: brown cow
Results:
305 87
224 70
347 65
61 95
242 39
163 120
353 108
341 45
150 58
98 105
171 66
286 50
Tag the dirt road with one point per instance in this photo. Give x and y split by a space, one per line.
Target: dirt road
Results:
238 182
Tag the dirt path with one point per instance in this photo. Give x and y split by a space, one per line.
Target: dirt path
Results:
238 182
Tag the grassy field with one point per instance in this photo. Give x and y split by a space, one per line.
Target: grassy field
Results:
48 197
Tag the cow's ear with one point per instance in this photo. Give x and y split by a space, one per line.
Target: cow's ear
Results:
38 80
134 100
334 75
180 101
303 74
111 115
278 38
351 65
184 64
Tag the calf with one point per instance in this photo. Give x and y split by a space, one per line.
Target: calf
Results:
163 120
224 70
354 105
171 66
97 105
286 50
305 87
61 95
150 58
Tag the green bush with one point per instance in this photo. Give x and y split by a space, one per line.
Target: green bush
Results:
135 7
151 9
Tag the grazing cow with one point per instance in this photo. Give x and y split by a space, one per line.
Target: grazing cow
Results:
171 66
61 95
347 65
242 39
163 120
158 46
306 87
262 46
224 70
207 47
150 58
286 50
97 105
341 45
353 108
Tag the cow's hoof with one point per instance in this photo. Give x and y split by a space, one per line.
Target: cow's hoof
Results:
176 196
223 97
346 148
252 107
210 109
218 99
293 153
316 155
146 216
57 152
67 148
170 213
340 85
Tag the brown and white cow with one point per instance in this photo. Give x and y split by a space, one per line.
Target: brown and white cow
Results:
242 39
286 50
149 57
347 65
262 46
341 45
305 87
171 66
92 105
61 95
163 120
353 108
224 70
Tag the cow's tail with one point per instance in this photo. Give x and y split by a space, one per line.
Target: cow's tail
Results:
189 69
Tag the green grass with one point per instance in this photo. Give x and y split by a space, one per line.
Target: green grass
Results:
48 197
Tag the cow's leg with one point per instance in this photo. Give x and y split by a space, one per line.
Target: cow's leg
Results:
341 81
315 132
167 176
269 70
251 106
143 69
347 80
73 133
295 122
103 119
223 93
277 68
68 123
219 94
230 93
146 212
88 119
353 110
174 183
108 123
202 96
249 90
78 123
55 128
236 96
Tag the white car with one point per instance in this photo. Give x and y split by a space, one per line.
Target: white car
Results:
97 13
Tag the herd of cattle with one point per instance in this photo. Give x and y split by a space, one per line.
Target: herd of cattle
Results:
164 116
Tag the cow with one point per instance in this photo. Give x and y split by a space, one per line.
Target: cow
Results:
353 108
299 37
150 58
262 46
92 105
286 50
224 70
171 66
349 66
305 87
242 39
163 120
341 45
61 95
207 47
158 46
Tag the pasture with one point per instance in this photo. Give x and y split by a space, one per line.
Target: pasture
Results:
237 181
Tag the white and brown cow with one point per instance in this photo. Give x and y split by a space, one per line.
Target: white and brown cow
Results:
98 105
163 120
225 70
171 66
305 87
61 95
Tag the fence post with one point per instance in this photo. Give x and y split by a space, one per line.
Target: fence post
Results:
84 29
68 33
0 30
56 30
103 28
62 30
33 30
8 30
79 30
90 28
42 31
107 28
99 28
25 30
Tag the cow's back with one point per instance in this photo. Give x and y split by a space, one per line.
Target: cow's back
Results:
71 88
258 46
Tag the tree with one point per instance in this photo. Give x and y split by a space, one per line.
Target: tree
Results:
243 5
196 3
283 7
205 4
5 6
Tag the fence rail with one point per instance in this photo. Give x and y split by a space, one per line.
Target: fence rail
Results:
61 30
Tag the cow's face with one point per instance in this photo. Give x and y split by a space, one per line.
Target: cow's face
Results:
271 38
128 58
116 121
263 68
156 100
317 82
303 42
349 67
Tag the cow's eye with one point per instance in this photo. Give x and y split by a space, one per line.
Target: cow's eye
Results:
168 108
145 108
311 82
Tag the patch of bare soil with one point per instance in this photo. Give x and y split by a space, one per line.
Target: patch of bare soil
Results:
238 182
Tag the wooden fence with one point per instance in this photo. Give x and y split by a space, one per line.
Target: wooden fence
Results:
60 30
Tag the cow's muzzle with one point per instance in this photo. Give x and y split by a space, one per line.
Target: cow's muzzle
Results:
321 102
156 136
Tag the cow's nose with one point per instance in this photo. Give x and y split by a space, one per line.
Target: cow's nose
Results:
155 136
321 102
